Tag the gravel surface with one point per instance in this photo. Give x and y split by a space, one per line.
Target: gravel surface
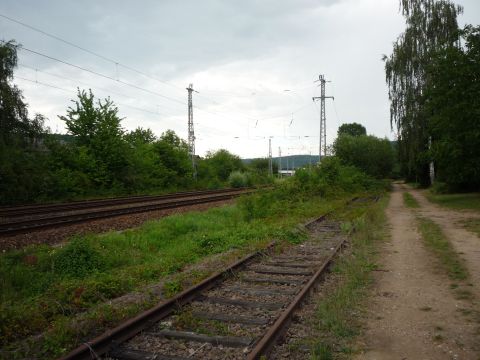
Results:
58 235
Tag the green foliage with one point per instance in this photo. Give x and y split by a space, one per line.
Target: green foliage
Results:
431 26
140 136
239 179
77 259
451 100
14 122
372 155
353 129
221 164
96 126
468 201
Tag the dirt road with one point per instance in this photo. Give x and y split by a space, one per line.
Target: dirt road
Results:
414 313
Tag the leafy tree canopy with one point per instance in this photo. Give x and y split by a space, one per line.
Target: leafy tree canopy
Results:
222 163
431 26
352 129
368 153
15 126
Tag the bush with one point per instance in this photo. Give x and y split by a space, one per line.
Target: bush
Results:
78 259
238 179
370 154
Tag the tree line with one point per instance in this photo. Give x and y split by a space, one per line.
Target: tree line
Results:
98 157
433 77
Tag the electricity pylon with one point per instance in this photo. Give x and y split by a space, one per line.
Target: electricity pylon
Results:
323 120
191 132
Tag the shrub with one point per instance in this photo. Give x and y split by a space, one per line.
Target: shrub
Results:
78 259
238 179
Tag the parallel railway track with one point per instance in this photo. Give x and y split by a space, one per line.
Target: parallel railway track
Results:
51 216
238 313
35 209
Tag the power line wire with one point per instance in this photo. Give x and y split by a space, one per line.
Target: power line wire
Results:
70 91
116 63
87 50
101 75
81 82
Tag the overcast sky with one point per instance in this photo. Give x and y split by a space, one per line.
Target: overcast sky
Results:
253 62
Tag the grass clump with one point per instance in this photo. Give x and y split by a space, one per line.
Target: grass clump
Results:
436 241
410 201
468 201
337 313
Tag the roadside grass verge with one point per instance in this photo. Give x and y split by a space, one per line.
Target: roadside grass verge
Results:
337 318
438 243
410 201
44 287
468 201
472 225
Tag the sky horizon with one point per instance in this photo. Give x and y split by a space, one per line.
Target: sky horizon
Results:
253 64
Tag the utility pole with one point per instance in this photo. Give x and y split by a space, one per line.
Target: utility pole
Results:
280 161
323 120
270 164
191 132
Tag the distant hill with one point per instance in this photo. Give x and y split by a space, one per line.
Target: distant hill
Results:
293 161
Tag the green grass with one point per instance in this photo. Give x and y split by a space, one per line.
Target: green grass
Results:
472 225
470 201
437 242
410 201
44 287
337 319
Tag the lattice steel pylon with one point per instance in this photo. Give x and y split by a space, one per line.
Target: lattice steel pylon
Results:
191 132
270 163
323 119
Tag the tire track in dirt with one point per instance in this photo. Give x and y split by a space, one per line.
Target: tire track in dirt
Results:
466 243
413 313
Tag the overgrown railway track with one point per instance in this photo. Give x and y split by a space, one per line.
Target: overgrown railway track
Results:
55 215
238 313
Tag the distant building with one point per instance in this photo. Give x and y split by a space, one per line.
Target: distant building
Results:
286 173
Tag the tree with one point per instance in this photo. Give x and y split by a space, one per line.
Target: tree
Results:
352 129
368 153
15 126
431 26
172 152
451 101
96 126
140 136
260 166
221 163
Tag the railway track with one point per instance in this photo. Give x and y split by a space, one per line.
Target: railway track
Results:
239 313
53 218
24 210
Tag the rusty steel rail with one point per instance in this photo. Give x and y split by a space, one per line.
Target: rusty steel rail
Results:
278 329
109 341
18 227
102 344
23 210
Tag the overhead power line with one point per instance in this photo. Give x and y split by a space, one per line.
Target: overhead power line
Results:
101 75
116 63
108 91
70 91
87 50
